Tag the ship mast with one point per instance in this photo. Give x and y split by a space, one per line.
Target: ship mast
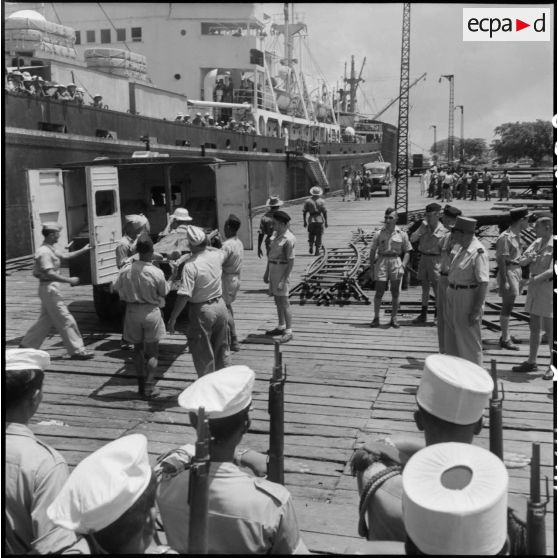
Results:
288 45
353 82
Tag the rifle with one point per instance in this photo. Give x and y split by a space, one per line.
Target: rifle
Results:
198 491
276 410
496 432
536 508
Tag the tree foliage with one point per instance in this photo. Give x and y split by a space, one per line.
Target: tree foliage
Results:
473 148
523 139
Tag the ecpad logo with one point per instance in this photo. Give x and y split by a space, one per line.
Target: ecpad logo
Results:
506 24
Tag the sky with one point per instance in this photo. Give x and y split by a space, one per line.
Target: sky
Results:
496 82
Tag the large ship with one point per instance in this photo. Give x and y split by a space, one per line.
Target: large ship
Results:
217 80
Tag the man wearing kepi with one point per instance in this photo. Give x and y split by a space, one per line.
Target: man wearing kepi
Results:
455 499
143 287
280 263
110 500
467 285
446 244
316 210
54 311
508 251
232 264
429 236
34 472
451 399
246 514
207 329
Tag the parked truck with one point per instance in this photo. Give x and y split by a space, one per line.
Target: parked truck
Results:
418 164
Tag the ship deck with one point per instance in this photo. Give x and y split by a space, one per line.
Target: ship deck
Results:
346 382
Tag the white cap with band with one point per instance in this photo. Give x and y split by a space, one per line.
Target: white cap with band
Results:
222 393
455 500
26 359
454 389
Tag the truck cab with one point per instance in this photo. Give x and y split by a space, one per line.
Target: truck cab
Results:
380 176
98 194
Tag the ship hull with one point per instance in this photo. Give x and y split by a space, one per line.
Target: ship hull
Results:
83 133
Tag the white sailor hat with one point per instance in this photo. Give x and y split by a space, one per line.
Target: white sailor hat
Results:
181 214
97 96
195 235
26 359
103 486
455 500
137 221
51 226
222 393
454 389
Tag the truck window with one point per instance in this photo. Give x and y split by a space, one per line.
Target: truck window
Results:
105 203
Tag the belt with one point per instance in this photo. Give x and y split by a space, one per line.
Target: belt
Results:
545 281
210 301
452 286
389 255
429 254
444 273
141 304
278 261
231 272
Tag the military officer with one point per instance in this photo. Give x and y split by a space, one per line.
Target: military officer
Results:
110 499
448 219
232 264
508 251
246 515
455 502
53 309
201 287
316 210
280 263
34 472
468 277
429 236
143 287
266 224
388 245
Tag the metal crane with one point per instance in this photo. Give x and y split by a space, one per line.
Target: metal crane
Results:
450 77
402 178
376 116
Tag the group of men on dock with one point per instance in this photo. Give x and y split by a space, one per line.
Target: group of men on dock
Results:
454 264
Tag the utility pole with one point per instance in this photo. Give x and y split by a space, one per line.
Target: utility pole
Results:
402 178
449 77
462 150
434 146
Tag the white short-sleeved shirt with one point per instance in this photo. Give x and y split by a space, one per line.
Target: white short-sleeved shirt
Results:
470 265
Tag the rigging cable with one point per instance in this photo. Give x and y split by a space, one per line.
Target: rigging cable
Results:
113 26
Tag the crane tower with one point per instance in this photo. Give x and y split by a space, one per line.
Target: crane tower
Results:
402 178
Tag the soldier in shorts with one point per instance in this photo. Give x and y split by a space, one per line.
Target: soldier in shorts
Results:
279 266
143 287
389 244
508 251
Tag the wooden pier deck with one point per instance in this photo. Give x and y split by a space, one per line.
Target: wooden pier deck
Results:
346 382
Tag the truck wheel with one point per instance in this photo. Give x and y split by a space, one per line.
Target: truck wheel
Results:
108 306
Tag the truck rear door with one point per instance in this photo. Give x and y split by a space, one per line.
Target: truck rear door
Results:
233 196
46 197
105 224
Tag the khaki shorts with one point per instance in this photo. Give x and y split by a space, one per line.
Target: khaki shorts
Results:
429 268
514 281
276 272
143 324
387 268
231 285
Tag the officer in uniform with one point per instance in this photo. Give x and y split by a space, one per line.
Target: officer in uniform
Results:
109 499
389 244
143 287
429 236
201 287
448 220
266 224
232 264
246 514
53 309
455 502
468 277
34 473
508 251
280 262
315 208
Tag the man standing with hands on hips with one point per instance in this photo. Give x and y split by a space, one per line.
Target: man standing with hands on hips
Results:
315 208
279 266
467 285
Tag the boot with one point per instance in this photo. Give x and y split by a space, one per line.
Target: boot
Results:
310 250
421 318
